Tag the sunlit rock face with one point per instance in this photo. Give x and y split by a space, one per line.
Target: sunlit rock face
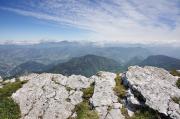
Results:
156 87
104 100
46 96
54 96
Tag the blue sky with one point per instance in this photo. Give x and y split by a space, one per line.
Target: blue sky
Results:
123 21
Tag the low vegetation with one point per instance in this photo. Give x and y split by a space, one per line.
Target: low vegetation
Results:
88 92
145 113
175 73
84 111
125 112
8 108
119 88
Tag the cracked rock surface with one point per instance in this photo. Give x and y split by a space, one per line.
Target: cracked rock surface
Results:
156 86
104 100
45 96
54 96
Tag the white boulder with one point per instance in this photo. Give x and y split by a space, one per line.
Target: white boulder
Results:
156 86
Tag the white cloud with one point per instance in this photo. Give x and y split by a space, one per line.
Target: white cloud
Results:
124 21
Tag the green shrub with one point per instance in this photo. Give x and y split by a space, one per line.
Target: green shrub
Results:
119 88
178 83
8 108
84 112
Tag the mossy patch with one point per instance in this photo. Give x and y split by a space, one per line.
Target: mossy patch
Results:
119 89
8 108
84 111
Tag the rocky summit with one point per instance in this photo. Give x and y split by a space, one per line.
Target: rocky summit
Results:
104 100
155 88
50 96
54 96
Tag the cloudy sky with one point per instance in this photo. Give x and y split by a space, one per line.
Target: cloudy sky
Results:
105 21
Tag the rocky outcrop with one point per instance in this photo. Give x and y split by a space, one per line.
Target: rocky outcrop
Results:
153 87
50 96
104 100
55 96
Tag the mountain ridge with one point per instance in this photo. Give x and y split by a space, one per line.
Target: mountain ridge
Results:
86 65
162 61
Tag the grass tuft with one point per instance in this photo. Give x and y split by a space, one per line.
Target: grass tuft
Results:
119 88
8 108
84 111
145 113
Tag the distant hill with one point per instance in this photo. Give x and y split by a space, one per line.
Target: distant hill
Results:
28 67
162 61
86 65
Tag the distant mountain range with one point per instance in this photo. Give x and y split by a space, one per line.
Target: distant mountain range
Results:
90 64
86 65
162 61
15 59
28 67
13 55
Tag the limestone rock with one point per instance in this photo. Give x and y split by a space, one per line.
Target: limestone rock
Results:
76 97
42 97
78 82
115 114
13 80
104 98
156 86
